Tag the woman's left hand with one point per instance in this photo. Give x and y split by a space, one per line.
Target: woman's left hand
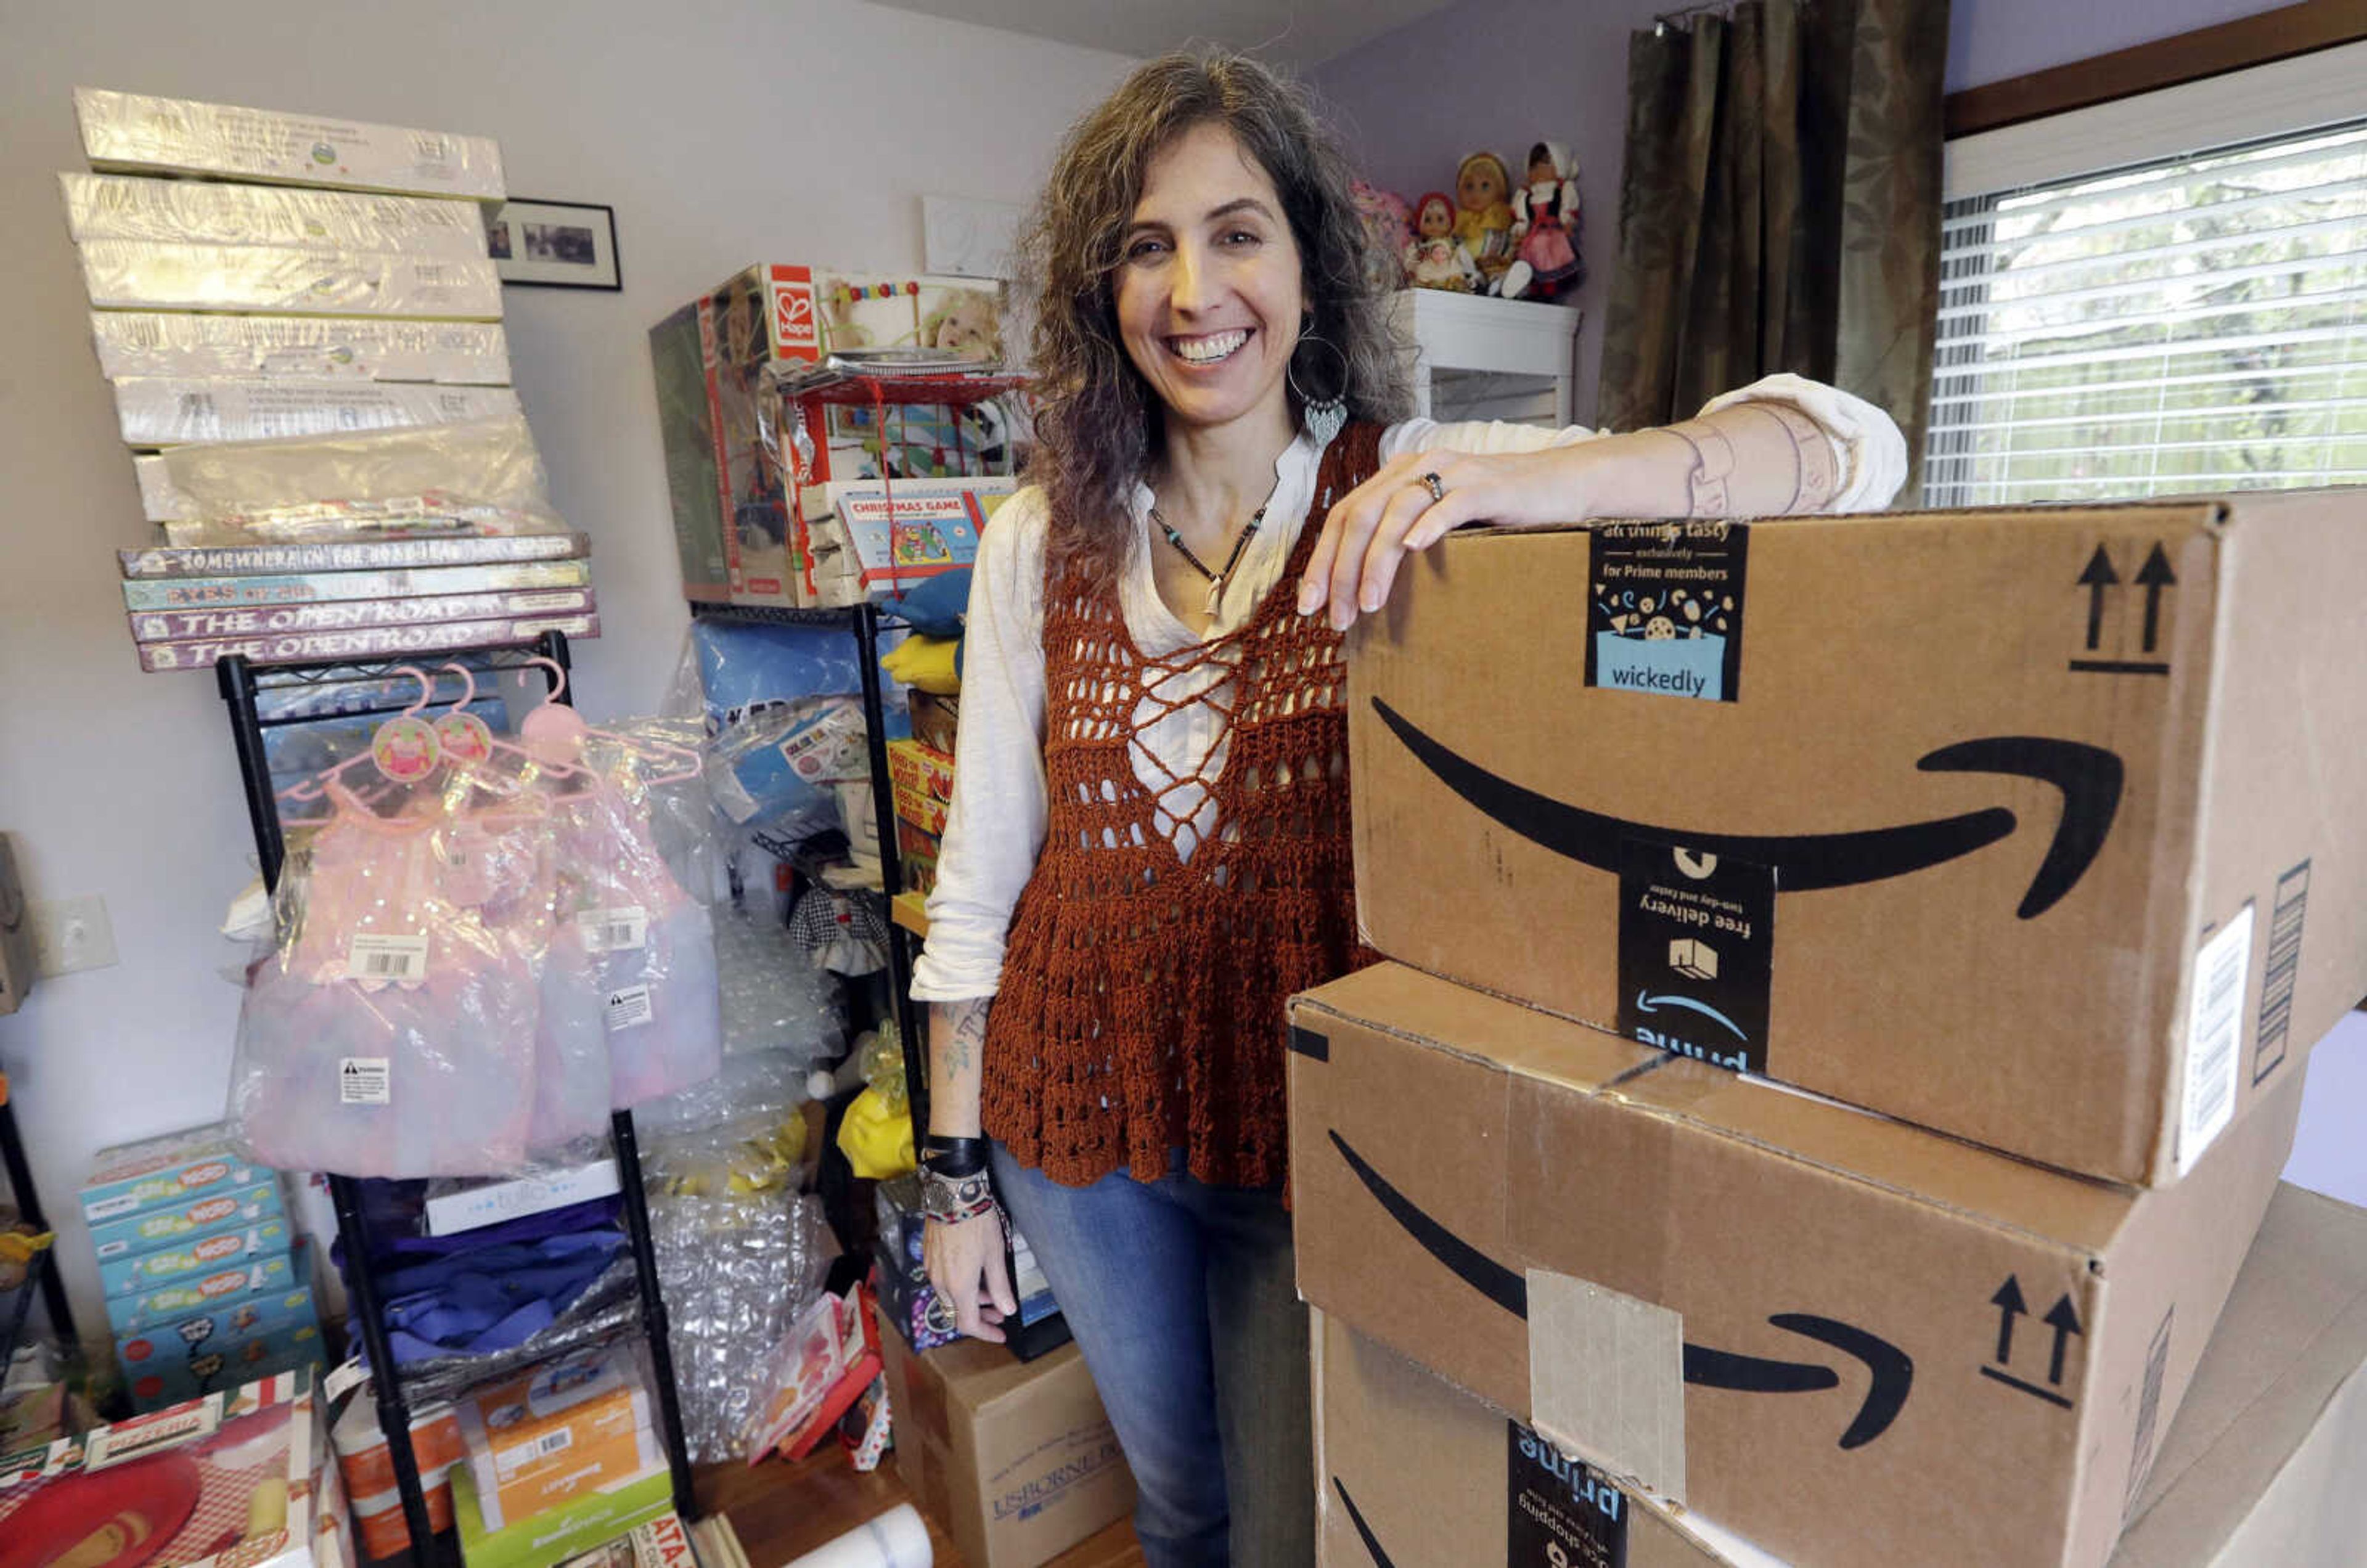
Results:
1400 510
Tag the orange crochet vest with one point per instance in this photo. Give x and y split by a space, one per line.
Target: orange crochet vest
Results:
1141 1006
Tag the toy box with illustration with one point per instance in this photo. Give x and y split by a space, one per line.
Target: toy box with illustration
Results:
660 1543
147 274
169 1171
822 1364
561 1532
346 614
157 410
243 1281
232 1479
363 1456
863 539
200 1216
177 1372
732 468
923 778
338 348
201 212
568 1426
177 1261
234 1319
346 554
181 136
350 587
361 642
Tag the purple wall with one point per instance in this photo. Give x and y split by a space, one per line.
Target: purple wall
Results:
1502 73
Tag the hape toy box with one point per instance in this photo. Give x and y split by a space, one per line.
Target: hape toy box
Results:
732 491
229 1481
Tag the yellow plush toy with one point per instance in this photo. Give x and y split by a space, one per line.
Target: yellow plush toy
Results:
926 662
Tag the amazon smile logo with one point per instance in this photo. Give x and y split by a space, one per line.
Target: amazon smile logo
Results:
1890 1371
2088 777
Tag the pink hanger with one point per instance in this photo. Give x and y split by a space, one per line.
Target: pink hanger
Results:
554 733
403 731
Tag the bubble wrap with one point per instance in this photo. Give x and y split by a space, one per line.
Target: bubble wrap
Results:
774 998
735 1271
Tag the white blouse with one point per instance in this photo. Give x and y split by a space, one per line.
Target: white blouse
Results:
995 826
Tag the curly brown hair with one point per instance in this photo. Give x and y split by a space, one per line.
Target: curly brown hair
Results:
1097 423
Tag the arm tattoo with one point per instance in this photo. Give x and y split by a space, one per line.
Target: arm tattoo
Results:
968 1038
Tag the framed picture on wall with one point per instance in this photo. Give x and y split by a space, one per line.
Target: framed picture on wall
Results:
560 244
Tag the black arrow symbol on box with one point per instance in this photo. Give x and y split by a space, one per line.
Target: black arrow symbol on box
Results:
2155 576
2099 576
2088 777
2064 1318
2009 1306
1890 1370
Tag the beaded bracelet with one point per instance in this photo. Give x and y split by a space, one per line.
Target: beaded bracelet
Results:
949 1200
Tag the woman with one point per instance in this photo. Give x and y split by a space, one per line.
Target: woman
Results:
1148 846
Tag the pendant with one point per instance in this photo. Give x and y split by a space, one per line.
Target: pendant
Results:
1216 595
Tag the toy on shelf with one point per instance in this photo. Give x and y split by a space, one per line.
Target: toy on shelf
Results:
1484 223
1388 224
1545 264
1436 259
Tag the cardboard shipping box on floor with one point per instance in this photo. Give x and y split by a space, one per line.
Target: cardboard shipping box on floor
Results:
2107 751
1843 1336
2265 1464
1016 1460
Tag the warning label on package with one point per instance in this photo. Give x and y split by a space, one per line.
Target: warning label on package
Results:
1664 608
1557 1512
1696 953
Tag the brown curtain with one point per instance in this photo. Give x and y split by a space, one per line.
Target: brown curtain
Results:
1781 208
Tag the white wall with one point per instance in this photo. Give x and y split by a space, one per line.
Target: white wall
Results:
722 134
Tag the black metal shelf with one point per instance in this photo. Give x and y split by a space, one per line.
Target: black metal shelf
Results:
43 1277
239 683
17 1304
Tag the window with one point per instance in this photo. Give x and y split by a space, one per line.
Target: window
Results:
2180 322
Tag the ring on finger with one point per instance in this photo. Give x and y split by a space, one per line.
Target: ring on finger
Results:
1436 485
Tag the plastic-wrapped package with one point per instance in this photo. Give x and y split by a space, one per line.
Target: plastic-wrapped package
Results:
149 274
123 206
484 475
775 764
735 1273
767 1084
133 131
774 997
608 1309
744 670
332 348
393 1031
159 410
161 500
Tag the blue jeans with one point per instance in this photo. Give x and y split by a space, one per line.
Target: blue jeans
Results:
1183 1300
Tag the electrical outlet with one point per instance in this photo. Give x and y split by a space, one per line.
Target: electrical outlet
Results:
71 934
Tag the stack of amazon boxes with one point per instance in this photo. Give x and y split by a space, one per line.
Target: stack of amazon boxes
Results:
1849 986
299 321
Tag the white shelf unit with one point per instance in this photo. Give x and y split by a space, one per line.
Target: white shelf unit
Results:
1472 357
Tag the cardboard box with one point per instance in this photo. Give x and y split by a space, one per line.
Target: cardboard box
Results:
231 1481
333 348
2266 1462
477 1204
180 136
163 1227
170 411
1017 1462
362 1455
537 1488
149 561
557 1429
917 854
562 1532
244 1281
362 642
937 720
178 1373
2082 748
120 207
216 1330
737 540
383 1530
1841 1335
863 540
660 1543
149 274
175 1261
924 779
167 1171
17 959
352 614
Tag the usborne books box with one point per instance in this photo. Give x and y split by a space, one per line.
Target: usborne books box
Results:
1799 797
1016 1461
1843 1336
2265 1464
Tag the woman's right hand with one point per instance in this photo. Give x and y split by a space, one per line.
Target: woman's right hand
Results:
968 1266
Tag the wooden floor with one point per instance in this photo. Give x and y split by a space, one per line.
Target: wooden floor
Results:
782 1511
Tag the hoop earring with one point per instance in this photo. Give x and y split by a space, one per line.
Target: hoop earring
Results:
1324 417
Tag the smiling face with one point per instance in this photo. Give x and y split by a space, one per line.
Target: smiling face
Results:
1208 290
1437 219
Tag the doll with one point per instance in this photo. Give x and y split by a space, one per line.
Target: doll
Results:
1388 224
1484 224
1544 229
1435 258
